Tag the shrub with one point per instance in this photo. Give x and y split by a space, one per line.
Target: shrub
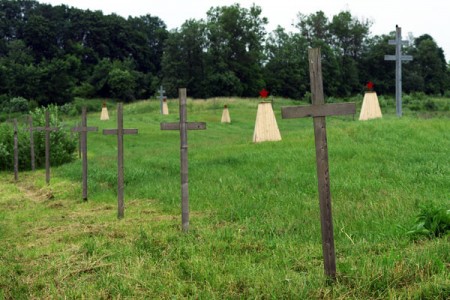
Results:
18 104
430 105
431 222
63 144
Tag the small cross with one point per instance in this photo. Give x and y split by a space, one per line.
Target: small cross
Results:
120 131
319 110
47 130
183 126
83 130
398 58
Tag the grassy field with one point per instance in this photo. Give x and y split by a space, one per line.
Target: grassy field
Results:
255 228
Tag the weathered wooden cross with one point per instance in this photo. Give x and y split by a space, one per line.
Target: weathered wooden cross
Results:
120 132
319 110
183 126
83 130
31 129
47 130
398 58
161 97
16 152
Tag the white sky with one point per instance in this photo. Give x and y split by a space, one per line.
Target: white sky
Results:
415 16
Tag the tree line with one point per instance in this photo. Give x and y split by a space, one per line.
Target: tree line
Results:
50 54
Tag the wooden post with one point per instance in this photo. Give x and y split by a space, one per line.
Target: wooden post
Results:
319 110
398 58
120 131
183 126
47 130
16 152
83 130
79 138
30 122
161 97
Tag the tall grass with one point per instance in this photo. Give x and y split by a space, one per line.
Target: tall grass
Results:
255 229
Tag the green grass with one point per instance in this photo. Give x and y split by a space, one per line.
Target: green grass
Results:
255 229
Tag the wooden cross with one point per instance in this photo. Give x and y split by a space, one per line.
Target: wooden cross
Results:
319 110
120 131
161 97
83 130
47 130
183 126
31 129
16 152
398 58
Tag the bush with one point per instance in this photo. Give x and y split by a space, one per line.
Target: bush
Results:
430 105
18 104
63 144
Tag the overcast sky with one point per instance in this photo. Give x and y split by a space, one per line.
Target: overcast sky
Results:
414 16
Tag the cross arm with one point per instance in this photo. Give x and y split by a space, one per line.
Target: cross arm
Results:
81 129
403 57
114 131
45 128
190 126
322 110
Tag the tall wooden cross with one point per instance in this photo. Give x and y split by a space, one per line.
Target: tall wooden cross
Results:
47 130
183 126
319 110
16 152
31 129
398 58
161 97
120 132
83 130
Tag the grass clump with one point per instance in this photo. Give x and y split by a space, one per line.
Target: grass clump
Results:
431 222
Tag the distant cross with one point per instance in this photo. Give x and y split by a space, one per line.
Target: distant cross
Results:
161 97
16 152
120 131
398 58
31 129
263 93
83 130
183 126
319 110
47 130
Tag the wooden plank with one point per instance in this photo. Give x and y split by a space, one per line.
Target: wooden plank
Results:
394 42
16 152
190 126
315 72
390 57
289 112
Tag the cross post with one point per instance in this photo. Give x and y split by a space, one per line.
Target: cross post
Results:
120 132
16 152
183 126
83 130
161 97
398 58
31 129
47 130
319 110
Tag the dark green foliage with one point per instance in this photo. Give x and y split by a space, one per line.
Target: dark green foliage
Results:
431 222
63 143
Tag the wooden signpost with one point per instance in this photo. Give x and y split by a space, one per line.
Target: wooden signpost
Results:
31 129
183 126
398 58
319 110
47 130
16 152
83 130
120 132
